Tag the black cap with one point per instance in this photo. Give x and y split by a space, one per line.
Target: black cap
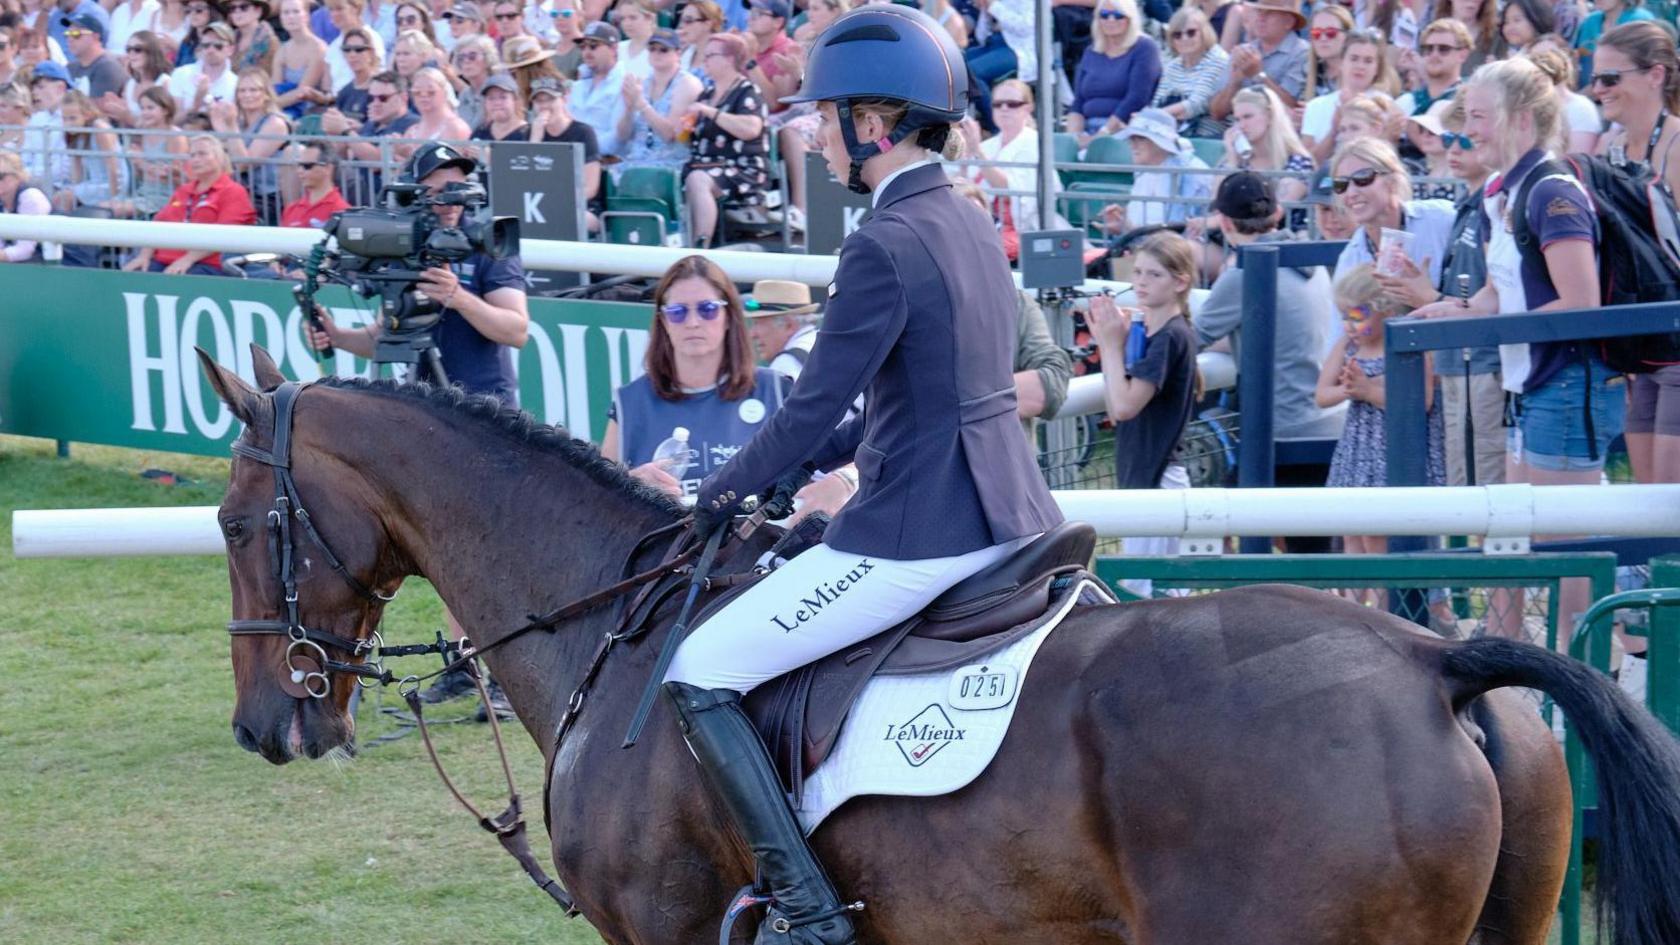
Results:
433 157
1245 195
667 37
1319 192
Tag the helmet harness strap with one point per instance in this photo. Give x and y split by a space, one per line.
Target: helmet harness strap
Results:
860 152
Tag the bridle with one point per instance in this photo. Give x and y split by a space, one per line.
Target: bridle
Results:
308 666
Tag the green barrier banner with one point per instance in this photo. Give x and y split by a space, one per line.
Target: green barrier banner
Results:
96 356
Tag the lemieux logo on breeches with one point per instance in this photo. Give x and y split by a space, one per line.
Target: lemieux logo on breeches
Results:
822 596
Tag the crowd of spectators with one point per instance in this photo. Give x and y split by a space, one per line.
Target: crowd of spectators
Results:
1354 117
695 87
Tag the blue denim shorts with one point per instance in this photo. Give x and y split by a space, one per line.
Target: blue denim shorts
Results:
1551 428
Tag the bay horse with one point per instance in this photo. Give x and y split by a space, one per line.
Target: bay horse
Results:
1262 765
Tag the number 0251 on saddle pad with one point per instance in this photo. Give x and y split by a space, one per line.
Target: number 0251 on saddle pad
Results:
932 733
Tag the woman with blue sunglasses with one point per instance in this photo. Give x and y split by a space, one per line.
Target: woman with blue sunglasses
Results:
700 375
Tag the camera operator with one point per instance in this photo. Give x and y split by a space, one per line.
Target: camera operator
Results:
484 319
485 316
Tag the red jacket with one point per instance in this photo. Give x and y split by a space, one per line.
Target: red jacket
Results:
302 213
224 201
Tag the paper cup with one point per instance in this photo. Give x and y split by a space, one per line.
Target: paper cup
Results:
1394 248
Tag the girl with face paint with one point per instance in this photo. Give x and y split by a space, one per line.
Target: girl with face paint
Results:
1354 374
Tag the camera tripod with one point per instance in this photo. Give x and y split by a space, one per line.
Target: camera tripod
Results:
407 334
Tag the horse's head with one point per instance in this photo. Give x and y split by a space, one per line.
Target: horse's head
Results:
310 564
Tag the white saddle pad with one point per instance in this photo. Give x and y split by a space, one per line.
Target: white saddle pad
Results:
927 735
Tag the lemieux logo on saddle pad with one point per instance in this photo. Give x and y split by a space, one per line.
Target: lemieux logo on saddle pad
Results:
926 734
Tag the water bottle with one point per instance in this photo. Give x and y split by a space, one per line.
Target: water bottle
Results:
1134 342
673 455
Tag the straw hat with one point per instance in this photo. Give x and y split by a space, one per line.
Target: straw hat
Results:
1435 119
1290 7
772 297
524 51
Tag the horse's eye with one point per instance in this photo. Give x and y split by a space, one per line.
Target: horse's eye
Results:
233 528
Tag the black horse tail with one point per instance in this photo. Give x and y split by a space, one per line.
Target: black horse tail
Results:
1638 765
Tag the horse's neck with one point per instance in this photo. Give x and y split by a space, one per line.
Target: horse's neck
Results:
503 537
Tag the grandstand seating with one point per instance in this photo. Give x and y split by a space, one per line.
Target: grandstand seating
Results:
1210 150
643 206
1065 148
1105 150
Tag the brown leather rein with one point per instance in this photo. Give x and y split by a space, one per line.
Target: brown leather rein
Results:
311 669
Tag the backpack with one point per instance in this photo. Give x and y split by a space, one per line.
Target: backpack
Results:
1636 264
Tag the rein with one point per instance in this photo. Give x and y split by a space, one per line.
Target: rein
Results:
310 669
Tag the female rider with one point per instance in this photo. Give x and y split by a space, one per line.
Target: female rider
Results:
947 484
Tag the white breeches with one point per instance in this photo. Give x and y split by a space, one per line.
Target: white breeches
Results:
817 603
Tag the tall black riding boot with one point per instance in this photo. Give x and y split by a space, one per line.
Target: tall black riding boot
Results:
805 909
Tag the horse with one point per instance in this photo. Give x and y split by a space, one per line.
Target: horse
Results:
1265 764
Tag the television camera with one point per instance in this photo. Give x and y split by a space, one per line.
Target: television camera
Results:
384 251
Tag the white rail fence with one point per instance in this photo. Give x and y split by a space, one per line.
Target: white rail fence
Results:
1506 516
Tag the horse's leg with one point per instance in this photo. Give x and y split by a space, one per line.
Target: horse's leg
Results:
1535 807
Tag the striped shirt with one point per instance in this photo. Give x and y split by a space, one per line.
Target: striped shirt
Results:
1195 86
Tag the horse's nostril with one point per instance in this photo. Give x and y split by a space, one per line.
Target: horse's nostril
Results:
243 736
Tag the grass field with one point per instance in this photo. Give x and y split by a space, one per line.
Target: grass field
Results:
130 816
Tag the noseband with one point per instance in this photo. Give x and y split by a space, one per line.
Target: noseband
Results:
307 664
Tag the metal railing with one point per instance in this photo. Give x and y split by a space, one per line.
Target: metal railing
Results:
1409 340
359 179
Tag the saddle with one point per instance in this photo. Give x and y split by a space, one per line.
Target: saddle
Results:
800 713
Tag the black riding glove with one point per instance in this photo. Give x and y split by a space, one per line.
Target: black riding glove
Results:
708 520
778 501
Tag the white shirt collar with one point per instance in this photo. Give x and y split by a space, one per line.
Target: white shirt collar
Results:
881 188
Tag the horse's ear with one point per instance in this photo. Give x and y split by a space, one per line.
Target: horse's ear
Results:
240 397
265 370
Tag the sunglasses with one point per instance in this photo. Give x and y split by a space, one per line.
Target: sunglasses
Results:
1610 78
562 14
131 49
1439 49
677 312
376 97
1112 15
308 165
1364 178
1009 103
687 20
76 34
356 49
1325 32
507 16
1452 139
1184 34
238 7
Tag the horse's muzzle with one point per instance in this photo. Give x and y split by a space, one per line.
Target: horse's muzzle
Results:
279 741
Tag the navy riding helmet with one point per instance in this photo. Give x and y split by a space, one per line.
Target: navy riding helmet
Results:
892 52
